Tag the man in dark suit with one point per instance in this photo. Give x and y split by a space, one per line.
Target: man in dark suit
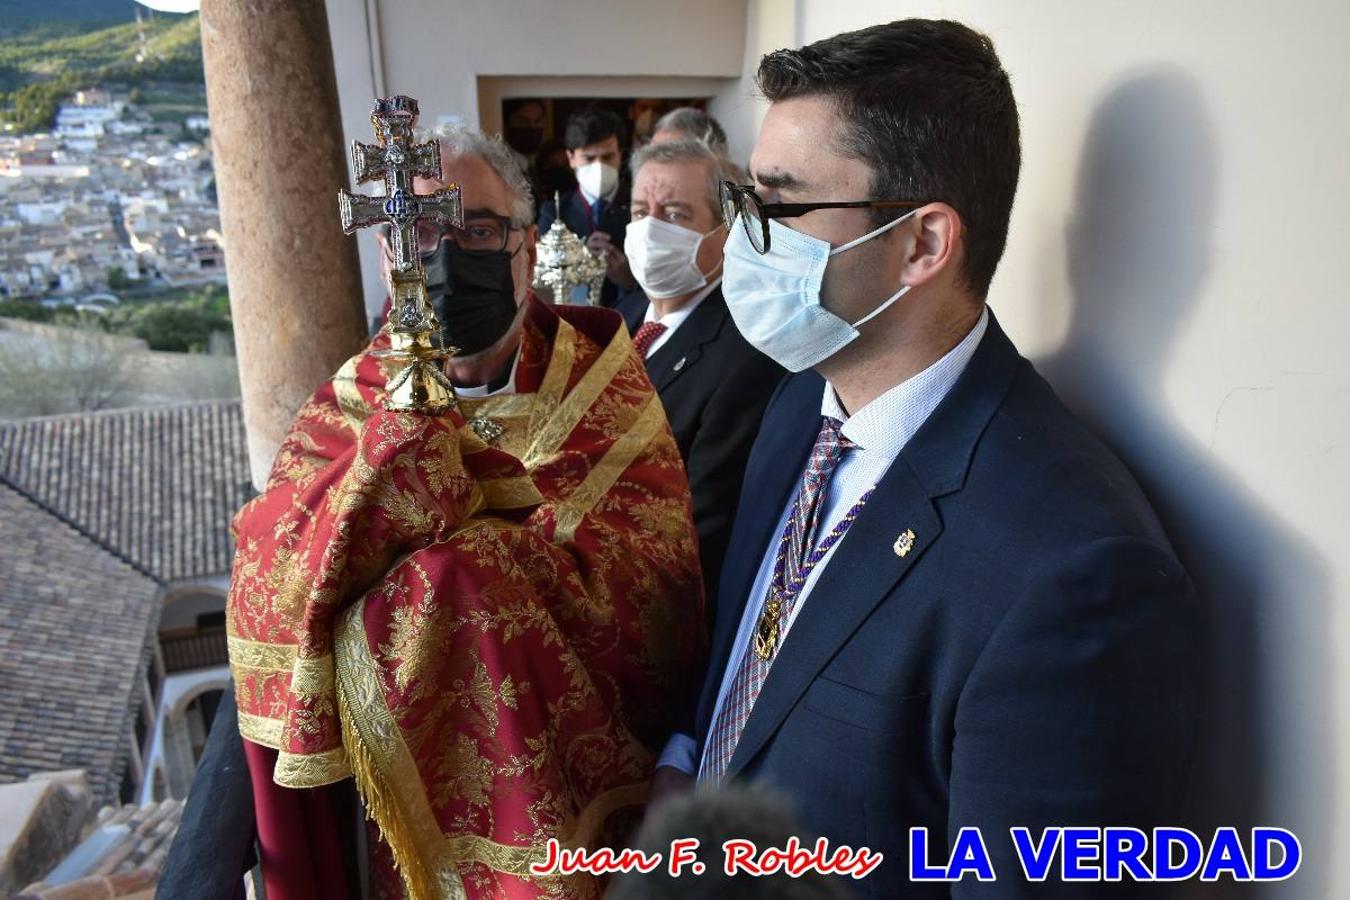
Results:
945 603
713 384
597 210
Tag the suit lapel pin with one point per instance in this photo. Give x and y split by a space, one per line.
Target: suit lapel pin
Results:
904 543
680 365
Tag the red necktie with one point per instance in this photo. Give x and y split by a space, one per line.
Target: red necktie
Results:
649 332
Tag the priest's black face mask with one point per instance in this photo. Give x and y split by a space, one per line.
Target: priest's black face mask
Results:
473 294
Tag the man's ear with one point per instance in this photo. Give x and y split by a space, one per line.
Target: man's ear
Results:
574 158
938 234
532 246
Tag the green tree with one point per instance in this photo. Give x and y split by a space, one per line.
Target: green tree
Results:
35 107
183 327
117 279
30 310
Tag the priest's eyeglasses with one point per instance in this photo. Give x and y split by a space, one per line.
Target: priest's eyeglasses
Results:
741 201
482 233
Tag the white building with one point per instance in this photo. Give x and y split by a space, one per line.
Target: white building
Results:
88 114
47 212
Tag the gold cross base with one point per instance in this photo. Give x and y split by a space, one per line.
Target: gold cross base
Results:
421 387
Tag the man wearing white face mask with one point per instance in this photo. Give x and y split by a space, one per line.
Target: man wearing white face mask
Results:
713 384
597 210
945 604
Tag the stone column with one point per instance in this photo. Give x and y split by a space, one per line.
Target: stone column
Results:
295 284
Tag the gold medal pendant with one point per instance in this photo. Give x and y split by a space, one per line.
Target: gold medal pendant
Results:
766 630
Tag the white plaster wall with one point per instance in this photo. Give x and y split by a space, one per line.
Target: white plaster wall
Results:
1175 267
770 25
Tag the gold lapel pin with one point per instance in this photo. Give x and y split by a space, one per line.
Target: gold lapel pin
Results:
904 543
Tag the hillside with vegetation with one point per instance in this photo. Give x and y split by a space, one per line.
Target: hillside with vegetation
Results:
16 15
46 61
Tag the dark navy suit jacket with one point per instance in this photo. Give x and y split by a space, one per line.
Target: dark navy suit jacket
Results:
714 387
1031 660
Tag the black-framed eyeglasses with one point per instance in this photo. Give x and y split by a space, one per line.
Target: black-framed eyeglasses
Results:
741 200
481 233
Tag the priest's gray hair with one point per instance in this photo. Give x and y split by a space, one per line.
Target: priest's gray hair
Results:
465 140
690 150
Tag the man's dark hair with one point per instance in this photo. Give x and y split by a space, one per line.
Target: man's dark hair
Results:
591 125
927 104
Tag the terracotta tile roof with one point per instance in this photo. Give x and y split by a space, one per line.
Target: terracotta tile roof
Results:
75 639
156 486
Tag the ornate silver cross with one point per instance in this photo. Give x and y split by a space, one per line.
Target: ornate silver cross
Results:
413 328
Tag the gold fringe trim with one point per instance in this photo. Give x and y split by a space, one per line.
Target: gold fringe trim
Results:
381 806
390 788
427 859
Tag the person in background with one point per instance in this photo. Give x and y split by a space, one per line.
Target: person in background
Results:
526 126
688 122
598 209
713 384
551 173
643 113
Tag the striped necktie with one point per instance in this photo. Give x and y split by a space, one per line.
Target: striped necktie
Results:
792 565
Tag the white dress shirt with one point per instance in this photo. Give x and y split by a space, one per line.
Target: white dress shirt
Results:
880 430
673 320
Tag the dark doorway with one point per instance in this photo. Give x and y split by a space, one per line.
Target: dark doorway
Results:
534 127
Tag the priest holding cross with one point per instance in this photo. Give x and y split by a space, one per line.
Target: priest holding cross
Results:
473 589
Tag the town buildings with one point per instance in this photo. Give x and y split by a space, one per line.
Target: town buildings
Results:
109 191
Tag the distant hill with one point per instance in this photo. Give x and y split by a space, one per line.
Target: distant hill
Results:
18 14
45 50
47 60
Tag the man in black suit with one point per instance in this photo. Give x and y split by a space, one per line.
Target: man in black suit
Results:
713 384
945 603
597 210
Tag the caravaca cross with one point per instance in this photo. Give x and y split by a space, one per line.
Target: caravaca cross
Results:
414 331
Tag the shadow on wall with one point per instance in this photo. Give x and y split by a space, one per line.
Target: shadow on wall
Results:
1139 254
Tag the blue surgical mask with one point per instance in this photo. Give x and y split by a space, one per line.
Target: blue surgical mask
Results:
774 298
